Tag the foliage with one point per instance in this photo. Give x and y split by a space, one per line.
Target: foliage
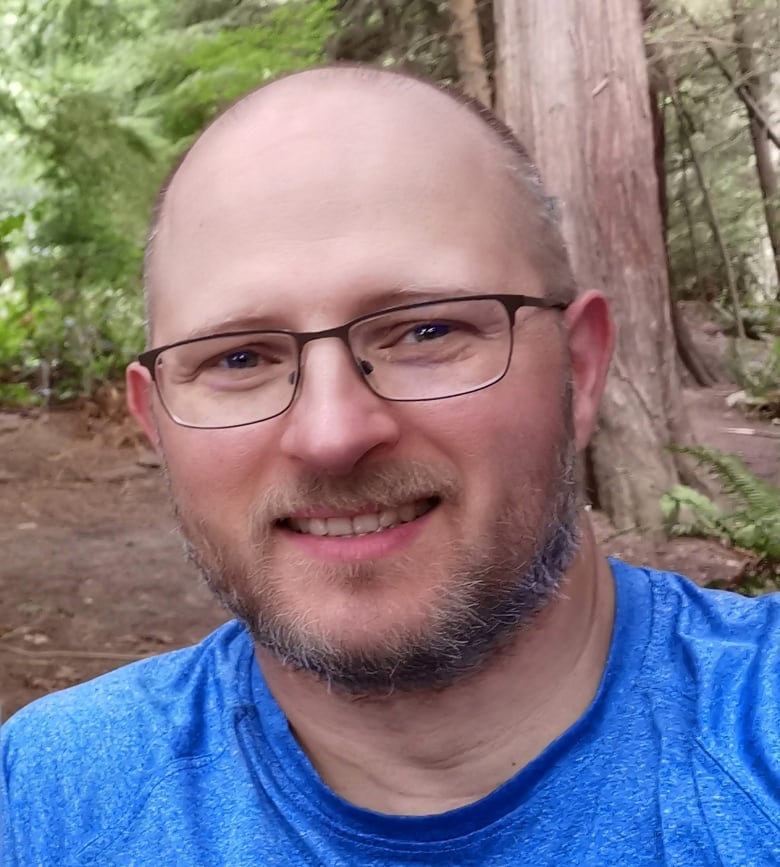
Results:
751 521
693 47
98 99
413 34
759 379
190 80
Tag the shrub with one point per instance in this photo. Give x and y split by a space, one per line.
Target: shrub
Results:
750 519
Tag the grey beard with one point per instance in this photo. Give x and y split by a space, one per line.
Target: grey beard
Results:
480 610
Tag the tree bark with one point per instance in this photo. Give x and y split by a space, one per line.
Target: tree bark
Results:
572 80
691 358
685 196
688 354
5 266
472 67
686 128
754 84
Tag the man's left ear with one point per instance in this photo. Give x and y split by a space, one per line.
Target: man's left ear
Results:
591 339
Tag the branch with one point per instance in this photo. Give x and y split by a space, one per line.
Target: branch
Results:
751 432
47 655
741 89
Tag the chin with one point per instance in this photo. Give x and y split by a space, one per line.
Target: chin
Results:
366 630
399 618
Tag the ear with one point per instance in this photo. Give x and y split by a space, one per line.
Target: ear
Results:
591 339
140 394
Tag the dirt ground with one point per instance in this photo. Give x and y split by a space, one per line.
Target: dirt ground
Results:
92 573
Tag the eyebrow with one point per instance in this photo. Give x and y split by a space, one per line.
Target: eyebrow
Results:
374 303
248 322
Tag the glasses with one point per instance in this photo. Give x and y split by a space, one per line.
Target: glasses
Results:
425 351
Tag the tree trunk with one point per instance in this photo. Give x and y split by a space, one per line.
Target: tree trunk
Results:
5 266
472 67
572 80
685 198
688 354
656 78
686 127
691 358
754 83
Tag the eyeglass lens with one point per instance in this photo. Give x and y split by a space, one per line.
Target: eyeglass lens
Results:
424 352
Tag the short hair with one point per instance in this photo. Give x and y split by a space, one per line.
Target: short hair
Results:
548 249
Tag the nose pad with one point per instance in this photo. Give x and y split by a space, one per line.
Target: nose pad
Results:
293 377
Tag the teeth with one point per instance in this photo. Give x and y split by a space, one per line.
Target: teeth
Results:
315 526
407 512
361 525
339 526
365 524
388 518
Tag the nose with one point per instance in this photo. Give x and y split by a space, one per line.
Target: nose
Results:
336 419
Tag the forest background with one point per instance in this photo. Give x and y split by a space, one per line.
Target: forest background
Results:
99 97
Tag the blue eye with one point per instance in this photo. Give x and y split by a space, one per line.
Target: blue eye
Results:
240 360
431 330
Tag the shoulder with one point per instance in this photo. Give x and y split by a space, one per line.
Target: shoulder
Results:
115 735
712 674
708 637
139 695
690 611
699 646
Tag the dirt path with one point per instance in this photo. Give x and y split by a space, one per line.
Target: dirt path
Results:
91 570
92 573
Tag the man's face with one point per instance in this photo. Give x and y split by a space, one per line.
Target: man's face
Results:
302 222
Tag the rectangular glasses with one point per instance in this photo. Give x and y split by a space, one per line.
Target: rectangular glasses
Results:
424 351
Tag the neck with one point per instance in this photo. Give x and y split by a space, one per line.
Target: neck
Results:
425 753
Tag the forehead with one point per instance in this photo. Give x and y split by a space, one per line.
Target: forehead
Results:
313 197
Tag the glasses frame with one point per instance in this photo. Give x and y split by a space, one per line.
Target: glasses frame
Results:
510 303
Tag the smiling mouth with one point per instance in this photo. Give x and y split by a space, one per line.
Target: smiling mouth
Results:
362 524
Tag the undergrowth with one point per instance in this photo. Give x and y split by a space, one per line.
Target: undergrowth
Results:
748 520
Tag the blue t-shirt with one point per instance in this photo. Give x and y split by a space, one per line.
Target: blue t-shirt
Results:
186 759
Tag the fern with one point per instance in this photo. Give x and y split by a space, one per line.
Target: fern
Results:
739 483
750 520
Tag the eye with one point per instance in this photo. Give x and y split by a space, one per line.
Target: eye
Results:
429 331
240 359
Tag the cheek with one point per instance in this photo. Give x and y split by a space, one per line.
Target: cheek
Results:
522 412
484 441
213 473
506 439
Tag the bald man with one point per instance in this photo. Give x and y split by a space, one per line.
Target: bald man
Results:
369 376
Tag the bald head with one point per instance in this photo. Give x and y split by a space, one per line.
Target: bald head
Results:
304 149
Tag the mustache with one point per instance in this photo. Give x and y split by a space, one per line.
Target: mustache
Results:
390 484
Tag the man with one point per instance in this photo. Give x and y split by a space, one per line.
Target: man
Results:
370 377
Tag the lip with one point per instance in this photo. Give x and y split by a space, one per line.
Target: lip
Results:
349 549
